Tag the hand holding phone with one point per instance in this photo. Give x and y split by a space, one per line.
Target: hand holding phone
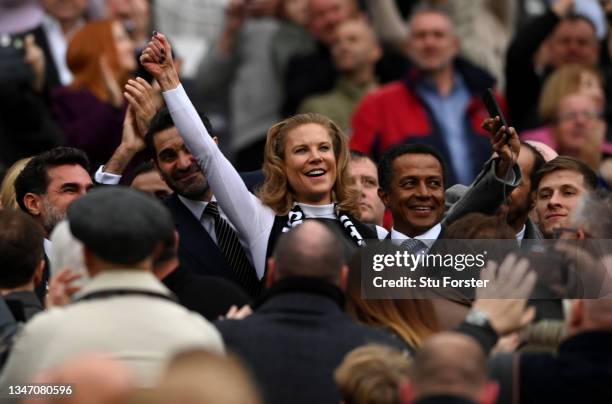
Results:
494 111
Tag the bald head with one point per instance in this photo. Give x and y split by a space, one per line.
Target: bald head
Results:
545 150
449 363
309 250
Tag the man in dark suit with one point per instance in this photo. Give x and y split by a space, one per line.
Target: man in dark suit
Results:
299 333
412 182
62 19
519 202
208 242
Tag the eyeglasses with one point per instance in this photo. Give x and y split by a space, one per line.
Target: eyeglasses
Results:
574 115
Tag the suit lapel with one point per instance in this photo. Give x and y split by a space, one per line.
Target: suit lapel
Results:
197 251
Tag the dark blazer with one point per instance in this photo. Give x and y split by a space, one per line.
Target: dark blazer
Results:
197 252
51 75
295 340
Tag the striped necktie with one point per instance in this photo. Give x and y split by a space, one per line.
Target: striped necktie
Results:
227 240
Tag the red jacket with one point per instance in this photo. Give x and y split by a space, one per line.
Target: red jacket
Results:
395 114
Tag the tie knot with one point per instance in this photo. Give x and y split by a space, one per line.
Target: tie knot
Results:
211 209
414 246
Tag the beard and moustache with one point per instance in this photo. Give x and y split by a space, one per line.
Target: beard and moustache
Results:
512 214
51 215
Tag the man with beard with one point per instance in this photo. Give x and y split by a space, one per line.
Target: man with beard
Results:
208 242
519 203
48 184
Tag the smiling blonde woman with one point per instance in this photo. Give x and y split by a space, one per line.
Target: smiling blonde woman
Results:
306 159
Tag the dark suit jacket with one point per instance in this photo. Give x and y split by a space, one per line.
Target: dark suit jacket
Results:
197 251
51 75
295 340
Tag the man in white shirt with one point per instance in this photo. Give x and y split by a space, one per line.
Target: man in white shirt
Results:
200 250
61 20
412 187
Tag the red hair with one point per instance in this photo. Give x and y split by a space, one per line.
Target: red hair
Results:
87 46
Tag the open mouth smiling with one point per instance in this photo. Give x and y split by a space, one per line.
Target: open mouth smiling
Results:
317 172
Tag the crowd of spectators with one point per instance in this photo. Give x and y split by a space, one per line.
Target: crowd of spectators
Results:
191 192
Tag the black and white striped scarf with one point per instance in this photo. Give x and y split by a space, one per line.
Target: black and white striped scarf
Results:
296 217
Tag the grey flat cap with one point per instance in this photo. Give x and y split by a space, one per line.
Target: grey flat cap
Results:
119 224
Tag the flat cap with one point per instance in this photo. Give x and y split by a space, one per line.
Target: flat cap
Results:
119 224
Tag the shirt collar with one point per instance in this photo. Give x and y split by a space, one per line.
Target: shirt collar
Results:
521 234
51 24
47 247
431 87
429 237
195 207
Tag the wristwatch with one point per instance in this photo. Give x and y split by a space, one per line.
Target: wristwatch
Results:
478 318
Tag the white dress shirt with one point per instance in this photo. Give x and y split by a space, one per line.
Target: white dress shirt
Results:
58 45
195 207
429 237
521 234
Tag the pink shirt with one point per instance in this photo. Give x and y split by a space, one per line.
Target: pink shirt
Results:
544 134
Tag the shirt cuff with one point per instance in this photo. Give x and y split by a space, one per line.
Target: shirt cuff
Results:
510 178
106 178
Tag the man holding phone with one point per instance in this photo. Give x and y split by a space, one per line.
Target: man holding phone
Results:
438 104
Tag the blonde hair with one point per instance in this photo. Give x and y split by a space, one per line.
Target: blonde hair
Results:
7 189
276 191
564 81
372 374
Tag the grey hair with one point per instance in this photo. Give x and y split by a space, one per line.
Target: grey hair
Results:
425 7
